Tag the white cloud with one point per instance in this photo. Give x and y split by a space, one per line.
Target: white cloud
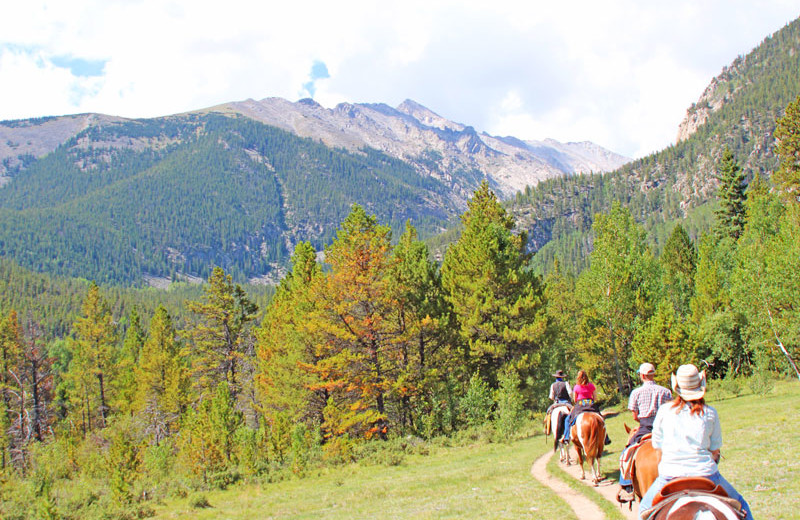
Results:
619 73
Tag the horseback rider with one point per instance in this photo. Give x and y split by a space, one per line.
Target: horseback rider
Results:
644 402
688 435
560 391
584 394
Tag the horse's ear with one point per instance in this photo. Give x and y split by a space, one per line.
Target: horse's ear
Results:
627 428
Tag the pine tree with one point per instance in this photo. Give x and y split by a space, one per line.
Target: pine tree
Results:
161 383
423 313
10 384
731 195
679 262
220 339
285 348
496 301
125 385
96 336
665 340
355 325
787 134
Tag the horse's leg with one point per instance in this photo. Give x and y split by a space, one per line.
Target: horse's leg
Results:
580 459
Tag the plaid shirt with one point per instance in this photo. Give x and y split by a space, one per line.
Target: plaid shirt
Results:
646 399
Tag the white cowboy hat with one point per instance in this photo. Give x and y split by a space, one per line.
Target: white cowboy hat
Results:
688 383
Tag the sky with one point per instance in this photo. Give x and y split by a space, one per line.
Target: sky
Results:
618 73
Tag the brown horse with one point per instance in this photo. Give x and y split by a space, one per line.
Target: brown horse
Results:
694 498
588 434
644 468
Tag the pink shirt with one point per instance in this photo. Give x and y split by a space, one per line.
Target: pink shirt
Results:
583 391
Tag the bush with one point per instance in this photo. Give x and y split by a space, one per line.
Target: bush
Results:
761 382
199 502
729 386
476 404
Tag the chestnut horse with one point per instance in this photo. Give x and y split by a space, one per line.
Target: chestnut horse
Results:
644 468
588 434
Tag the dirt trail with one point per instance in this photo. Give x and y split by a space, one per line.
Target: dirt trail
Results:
584 508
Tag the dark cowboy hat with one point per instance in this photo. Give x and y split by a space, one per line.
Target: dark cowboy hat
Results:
559 373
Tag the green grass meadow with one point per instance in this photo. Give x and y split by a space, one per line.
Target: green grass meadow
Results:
761 457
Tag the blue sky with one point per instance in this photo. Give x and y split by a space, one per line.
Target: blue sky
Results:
619 73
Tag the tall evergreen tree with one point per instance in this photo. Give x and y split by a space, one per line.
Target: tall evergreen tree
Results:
220 339
161 383
286 350
731 195
10 357
787 134
96 335
679 262
496 300
125 387
423 313
356 327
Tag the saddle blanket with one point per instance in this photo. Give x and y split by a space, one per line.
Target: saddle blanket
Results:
626 461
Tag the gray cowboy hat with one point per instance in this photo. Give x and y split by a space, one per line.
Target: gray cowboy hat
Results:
559 373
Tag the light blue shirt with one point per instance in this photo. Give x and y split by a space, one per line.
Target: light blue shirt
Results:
686 441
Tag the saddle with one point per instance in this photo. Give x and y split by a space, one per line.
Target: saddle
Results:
690 487
626 462
547 417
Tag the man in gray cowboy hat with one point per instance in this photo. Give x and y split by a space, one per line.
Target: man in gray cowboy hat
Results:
644 402
560 391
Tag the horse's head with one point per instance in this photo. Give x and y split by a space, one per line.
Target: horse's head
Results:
630 431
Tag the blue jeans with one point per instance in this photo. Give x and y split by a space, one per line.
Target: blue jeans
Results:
660 482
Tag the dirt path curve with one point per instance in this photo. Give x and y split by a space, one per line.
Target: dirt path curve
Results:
583 507
607 488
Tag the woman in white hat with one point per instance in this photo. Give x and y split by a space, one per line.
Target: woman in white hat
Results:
687 432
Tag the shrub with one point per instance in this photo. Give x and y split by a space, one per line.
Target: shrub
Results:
730 385
761 382
476 404
199 502
510 412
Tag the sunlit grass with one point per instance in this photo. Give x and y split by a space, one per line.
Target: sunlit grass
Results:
481 481
761 457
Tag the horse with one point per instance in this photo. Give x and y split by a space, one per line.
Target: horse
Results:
644 467
557 422
693 498
588 434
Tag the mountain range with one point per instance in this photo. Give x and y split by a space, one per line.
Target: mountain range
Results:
237 185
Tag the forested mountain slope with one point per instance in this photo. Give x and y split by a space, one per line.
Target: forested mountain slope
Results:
738 110
175 196
148 201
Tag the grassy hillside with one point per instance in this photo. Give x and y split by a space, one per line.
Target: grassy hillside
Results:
494 481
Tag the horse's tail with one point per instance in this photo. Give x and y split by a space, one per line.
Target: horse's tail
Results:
595 429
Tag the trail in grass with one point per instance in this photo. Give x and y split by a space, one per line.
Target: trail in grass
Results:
583 507
607 488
